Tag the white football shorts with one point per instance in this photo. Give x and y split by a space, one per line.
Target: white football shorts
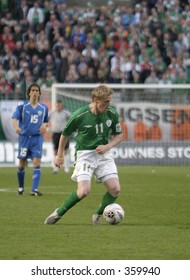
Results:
90 163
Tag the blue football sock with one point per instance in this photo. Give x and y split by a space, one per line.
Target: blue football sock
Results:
36 178
20 176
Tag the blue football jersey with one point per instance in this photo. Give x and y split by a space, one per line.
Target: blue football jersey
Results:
30 119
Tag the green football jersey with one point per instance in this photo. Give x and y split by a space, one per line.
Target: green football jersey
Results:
92 130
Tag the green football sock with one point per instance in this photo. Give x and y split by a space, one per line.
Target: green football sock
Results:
106 199
69 202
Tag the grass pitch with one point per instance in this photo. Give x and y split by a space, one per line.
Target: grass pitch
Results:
156 201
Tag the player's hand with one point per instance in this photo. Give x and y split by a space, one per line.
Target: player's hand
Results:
42 129
102 149
58 161
18 130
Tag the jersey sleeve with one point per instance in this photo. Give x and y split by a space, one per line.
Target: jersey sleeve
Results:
46 117
17 114
70 127
116 126
72 124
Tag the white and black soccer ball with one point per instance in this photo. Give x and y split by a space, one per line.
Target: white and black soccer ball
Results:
113 213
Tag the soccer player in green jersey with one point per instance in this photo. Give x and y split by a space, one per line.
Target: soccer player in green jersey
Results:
97 129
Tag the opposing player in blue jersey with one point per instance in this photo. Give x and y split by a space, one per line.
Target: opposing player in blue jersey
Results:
97 130
30 121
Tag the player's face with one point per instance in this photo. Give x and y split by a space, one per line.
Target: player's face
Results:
34 93
103 104
59 107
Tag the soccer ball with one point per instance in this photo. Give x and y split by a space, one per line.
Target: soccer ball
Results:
113 213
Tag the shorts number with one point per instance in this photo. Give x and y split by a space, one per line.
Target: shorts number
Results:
86 167
23 152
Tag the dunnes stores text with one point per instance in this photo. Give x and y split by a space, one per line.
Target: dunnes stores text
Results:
127 153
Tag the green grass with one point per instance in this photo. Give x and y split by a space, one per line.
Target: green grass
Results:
156 201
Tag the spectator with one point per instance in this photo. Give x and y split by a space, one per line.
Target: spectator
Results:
30 47
152 78
49 64
135 77
24 7
57 122
71 78
165 79
9 41
52 25
146 68
35 17
149 35
89 52
41 38
186 128
83 73
101 78
7 56
35 66
152 94
49 80
80 32
165 93
154 131
124 129
91 77
50 10
128 18
177 130
8 20
64 66
181 77
4 7
2 73
5 88
12 74
140 130
76 44
138 13
17 51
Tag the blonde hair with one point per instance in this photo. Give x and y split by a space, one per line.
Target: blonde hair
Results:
101 92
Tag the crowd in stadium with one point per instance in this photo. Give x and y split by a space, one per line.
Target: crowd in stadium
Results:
49 41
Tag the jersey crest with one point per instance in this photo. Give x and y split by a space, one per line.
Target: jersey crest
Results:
108 123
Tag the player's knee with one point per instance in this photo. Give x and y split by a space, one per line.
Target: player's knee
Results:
113 186
22 165
116 191
83 193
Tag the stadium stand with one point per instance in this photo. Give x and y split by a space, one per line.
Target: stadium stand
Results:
119 41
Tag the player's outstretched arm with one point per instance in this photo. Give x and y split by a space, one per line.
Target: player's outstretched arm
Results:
59 157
